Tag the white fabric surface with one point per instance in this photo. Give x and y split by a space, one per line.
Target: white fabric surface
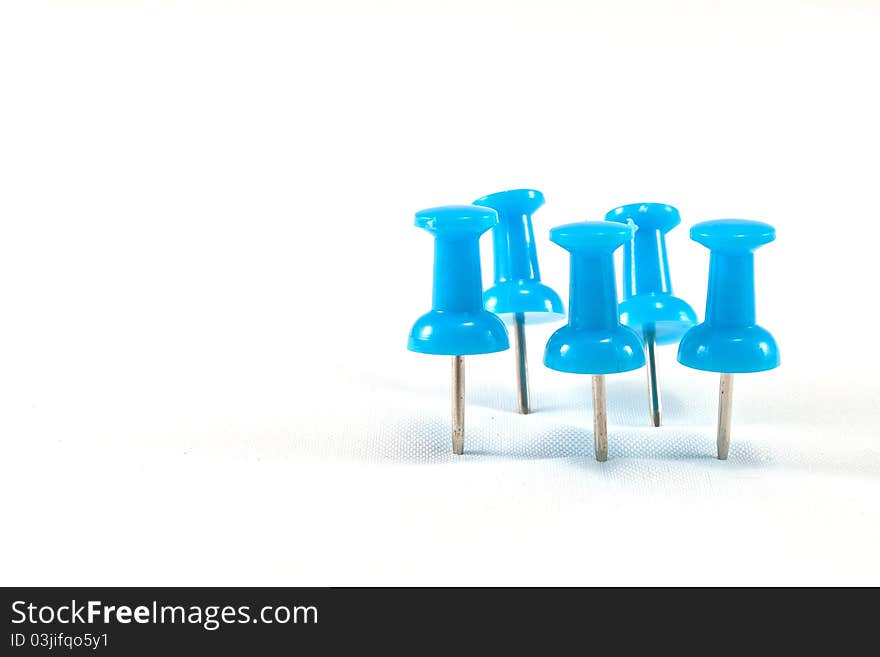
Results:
261 480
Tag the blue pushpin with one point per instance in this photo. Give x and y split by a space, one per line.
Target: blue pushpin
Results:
518 290
457 324
730 341
594 341
648 305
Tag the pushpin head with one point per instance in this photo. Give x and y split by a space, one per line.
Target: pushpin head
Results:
733 236
729 340
647 290
647 216
518 287
593 342
457 324
591 238
452 221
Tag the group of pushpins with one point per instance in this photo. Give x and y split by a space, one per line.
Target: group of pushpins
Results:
602 336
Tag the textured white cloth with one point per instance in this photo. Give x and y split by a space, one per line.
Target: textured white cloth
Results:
260 480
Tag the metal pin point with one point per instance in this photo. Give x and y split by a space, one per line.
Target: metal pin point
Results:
725 410
653 385
457 325
600 419
648 303
517 288
594 342
729 340
458 405
522 367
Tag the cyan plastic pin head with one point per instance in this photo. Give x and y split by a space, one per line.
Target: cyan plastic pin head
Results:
729 340
593 341
734 236
647 288
453 221
518 287
457 324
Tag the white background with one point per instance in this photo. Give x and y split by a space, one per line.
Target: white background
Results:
208 270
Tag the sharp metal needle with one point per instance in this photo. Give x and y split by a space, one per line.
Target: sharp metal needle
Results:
725 410
458 404
653 385
600 420
522 366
